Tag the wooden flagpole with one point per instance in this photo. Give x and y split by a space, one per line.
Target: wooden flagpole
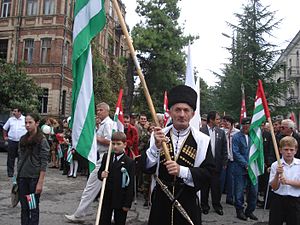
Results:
274 141
139 72
268 115
103 185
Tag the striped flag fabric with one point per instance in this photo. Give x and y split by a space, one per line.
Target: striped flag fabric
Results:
31 201
256 154
59 151
89 20
69 154
118 117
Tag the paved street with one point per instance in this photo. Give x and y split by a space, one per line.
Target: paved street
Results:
61 195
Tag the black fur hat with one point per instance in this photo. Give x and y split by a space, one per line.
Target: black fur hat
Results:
182 94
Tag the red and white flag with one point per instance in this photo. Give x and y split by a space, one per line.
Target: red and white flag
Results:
166 110
292 117
243 113
118 117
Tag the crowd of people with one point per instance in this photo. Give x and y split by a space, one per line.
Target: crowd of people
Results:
212 160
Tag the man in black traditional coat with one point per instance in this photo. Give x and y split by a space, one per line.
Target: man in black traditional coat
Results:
190 166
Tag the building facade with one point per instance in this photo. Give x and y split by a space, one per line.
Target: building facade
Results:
39 33
290 63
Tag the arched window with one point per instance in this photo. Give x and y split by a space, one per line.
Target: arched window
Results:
5 9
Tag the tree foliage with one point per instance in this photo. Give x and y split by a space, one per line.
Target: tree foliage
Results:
253 58
17 89
206 97
107 80
159 40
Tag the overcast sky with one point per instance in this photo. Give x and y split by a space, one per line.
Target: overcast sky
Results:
208 20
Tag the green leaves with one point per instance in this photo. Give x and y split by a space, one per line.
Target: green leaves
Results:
253 58
17 89
159 41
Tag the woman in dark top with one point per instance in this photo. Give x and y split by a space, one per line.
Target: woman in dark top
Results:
32 164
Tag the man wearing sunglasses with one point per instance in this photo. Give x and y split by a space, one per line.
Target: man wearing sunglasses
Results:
287 128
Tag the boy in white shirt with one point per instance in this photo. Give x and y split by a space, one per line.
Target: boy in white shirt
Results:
285 182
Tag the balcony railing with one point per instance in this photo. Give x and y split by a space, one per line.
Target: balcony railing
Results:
293 100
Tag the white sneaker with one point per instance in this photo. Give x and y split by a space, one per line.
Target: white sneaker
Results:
74 219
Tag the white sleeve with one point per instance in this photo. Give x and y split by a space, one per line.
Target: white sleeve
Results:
107 131
7 125
152 156
186 175
152 153
272 172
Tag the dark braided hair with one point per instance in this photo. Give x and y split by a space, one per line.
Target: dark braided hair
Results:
27 143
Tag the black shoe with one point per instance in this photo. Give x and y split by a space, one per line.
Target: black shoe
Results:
146 204
241 215
205 211
260 204
220 212
252 216
229 202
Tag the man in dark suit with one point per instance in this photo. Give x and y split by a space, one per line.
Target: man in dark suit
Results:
218 144
241 142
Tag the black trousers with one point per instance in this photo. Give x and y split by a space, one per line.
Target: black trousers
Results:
12 154
284 208
214 185
107 209
119 216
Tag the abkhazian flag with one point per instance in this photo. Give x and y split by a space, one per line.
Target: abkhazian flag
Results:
31 201
89 21
59 151
256 154
118 117
166 110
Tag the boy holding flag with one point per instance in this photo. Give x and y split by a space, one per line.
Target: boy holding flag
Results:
118 194
285 182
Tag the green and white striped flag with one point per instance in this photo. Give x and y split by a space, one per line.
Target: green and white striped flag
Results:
89 20
31 201
256 154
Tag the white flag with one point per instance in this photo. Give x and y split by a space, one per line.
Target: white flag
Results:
190 81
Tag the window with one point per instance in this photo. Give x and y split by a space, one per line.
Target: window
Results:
32 7
43 99
110 8
110 45
116 49
122 51
3 49
297 62
28 51
63 107
49 7
5 9
46 50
